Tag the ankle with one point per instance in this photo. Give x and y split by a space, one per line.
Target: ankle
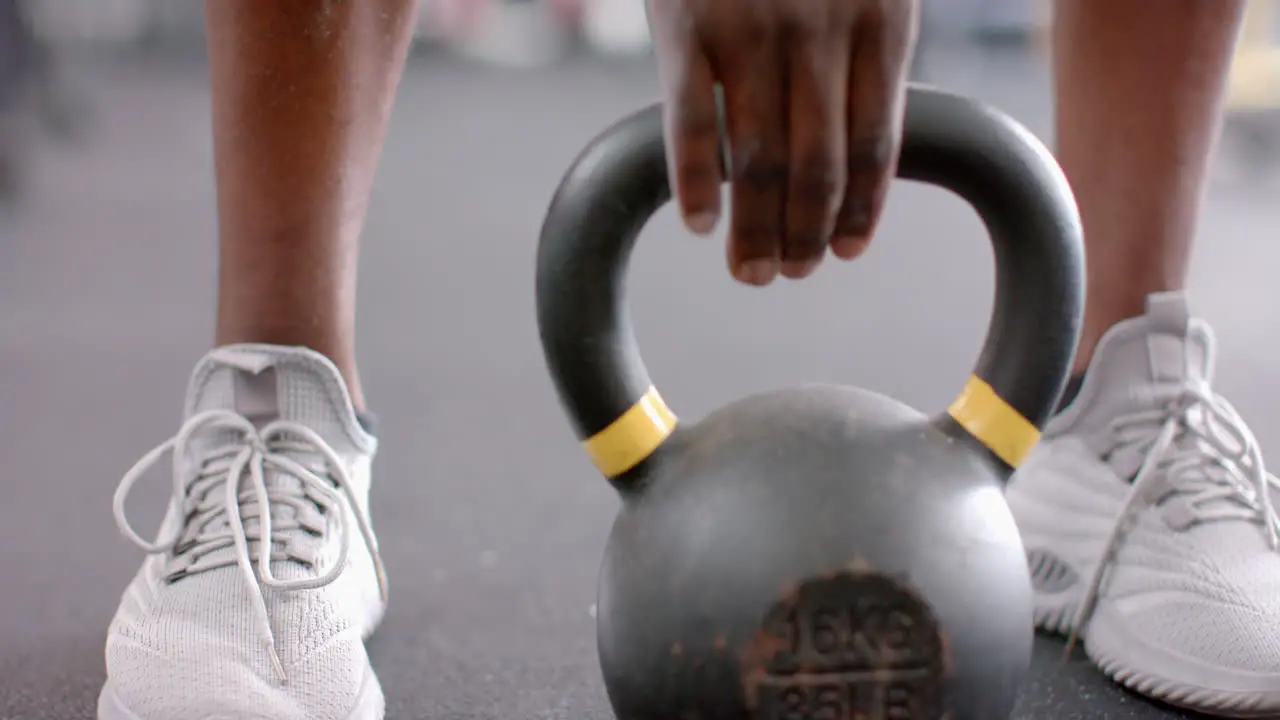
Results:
1069 393
340 354
1099 318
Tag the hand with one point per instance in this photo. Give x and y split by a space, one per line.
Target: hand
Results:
813 99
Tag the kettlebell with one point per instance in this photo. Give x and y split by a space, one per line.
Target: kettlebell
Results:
818 552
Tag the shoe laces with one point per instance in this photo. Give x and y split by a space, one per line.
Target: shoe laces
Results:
227 503
1196 448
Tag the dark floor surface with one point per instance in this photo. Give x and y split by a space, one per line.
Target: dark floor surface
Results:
106 288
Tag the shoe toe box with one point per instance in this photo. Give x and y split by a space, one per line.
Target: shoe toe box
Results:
210 680
204 660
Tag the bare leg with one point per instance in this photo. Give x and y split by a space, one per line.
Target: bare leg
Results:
302 90
1139 90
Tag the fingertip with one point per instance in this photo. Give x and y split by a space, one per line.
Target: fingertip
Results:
757 273
849 247
799 269
856 223
855 220
702 223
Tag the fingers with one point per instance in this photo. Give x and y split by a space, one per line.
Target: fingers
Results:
690 119
818 91
759 149
813 100
883 41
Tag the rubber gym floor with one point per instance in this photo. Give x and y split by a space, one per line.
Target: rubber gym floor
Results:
490 519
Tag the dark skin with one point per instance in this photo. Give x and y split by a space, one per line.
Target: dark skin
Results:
302 95
813 94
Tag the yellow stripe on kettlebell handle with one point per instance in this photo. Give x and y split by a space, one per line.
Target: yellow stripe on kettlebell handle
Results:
993 422
627 441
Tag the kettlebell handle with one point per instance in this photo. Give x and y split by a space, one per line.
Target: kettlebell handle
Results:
620 180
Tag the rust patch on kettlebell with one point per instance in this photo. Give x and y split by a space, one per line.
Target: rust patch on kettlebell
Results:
847 645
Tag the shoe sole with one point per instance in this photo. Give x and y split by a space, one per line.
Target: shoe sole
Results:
1156 673
370 704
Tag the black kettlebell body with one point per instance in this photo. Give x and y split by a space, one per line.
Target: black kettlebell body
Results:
784 555
820 552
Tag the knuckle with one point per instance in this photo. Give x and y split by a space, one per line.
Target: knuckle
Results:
794 21
756 235
803 244
874 15
697 175
817 181
760 170
871 154
816 19
855 217
747 26
697 124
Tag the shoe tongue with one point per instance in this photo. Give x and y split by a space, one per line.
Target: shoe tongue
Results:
1162 347
1165 346
265 383
1135 360
1178 350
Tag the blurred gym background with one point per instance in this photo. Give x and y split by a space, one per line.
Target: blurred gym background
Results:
58 57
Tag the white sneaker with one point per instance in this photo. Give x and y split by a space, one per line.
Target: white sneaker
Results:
220 625
1148 525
